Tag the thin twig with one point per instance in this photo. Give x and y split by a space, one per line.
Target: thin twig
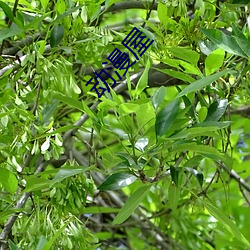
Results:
148 13
235 176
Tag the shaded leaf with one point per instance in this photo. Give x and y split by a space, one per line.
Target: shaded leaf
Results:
216 110
132 203
166 117
245 2
198 175
56 35
174 172
117 181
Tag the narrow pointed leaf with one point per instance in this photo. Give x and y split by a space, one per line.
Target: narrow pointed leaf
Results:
166 117
117 181
229 224
198 85
56 35
132 203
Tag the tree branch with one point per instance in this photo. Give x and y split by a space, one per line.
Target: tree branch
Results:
236 177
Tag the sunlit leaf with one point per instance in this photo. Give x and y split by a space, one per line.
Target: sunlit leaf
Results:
143 81
173 196
117 181
8 180
214 61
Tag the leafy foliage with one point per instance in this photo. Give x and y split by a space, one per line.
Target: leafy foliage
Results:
159 162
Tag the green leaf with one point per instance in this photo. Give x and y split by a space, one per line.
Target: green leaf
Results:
9 32
98 210
174 172
41 243
204 150
223 41
128 108
202 114
227 223
56 35
7 10
216 110
173 196
177 74
197 85
219 125
193 132
49 244
158 97
162 12
245 2
35 184
70 101
198 175
68 12
9 211
143 81
49 110
44 3
166 117
186 54
214 61
66 172
8 180
117 181
132 203
13 246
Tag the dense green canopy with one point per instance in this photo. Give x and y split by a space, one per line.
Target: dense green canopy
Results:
160 160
